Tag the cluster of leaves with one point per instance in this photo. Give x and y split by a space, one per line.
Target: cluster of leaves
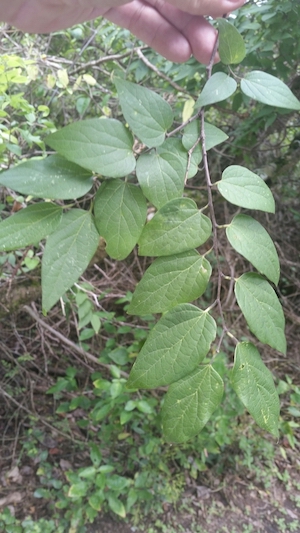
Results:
91 149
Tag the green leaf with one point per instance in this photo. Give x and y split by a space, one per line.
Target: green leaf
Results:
67 254
116 482
262 310
213 135
116 506
190 402
53 177
269 90
29 226
254 385
161 173
103 146
175 346
148 115
170 281
177 227
219 87
232 48
78 490
251 240
120 213
242 187
96 500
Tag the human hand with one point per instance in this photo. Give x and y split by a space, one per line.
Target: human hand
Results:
174 28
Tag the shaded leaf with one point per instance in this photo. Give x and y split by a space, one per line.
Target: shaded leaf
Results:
174 347
242 187
67 254
254 385
170 281
250 239
177 227
219 87
29 226
120 213
232 48
53 177
148 115
269 90
161 173
213 135
101 145
190 402
262 310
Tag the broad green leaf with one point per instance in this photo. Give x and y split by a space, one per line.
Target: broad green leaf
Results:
67 254
232 48
177 227
254 385
242 187
53 177
262 310
148 114
250 239
190 402
103 146
175 346
213 135
116 506
161 173
170 281
269 90
219 87
96 499
78 490
120 213
175 147
29 226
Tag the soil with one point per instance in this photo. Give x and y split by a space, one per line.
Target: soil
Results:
238 500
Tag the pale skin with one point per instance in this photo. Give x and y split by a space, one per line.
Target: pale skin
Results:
176 29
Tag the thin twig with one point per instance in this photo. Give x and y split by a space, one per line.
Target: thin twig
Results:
67 341
159 73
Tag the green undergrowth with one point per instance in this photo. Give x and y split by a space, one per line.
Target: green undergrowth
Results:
126 468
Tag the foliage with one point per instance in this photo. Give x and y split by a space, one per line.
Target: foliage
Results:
156 163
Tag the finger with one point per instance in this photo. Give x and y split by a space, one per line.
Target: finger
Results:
197 30
214 8
150 26
171 32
